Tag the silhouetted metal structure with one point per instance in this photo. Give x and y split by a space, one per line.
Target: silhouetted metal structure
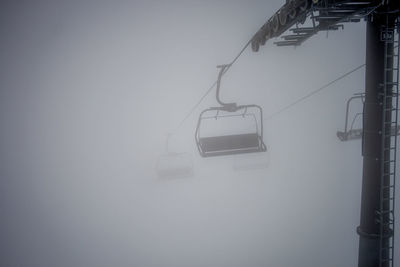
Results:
231 142
349 132
376 230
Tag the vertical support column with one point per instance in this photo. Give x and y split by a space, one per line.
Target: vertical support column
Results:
369 229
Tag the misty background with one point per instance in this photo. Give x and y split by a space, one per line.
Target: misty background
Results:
90 89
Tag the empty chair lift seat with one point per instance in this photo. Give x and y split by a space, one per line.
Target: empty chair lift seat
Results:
350 135
230 144
230 128
228 133
353 130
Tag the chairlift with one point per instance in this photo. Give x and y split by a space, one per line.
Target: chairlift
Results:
173 164
235 129
349 132
352 133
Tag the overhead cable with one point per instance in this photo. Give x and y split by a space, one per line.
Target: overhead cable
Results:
275 113
314 92
213 85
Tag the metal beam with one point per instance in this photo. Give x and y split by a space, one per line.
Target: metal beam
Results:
324 15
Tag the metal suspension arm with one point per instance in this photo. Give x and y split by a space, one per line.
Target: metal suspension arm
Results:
225 106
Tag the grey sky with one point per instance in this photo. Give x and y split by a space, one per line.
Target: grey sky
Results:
88 92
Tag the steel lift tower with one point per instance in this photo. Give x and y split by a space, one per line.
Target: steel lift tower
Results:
379 139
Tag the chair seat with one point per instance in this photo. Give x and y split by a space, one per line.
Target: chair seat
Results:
230 144
350 135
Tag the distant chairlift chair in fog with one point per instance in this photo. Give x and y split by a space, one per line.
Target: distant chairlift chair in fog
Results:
174 165
349 132
237 128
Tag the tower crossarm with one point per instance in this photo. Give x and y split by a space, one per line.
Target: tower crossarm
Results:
301 19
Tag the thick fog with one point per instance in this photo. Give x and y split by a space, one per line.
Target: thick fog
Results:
89 91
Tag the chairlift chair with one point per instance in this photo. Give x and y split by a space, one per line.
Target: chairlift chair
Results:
173 164
349 132
230 139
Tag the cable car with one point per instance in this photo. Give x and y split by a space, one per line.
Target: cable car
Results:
350 132
174 165
230 128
